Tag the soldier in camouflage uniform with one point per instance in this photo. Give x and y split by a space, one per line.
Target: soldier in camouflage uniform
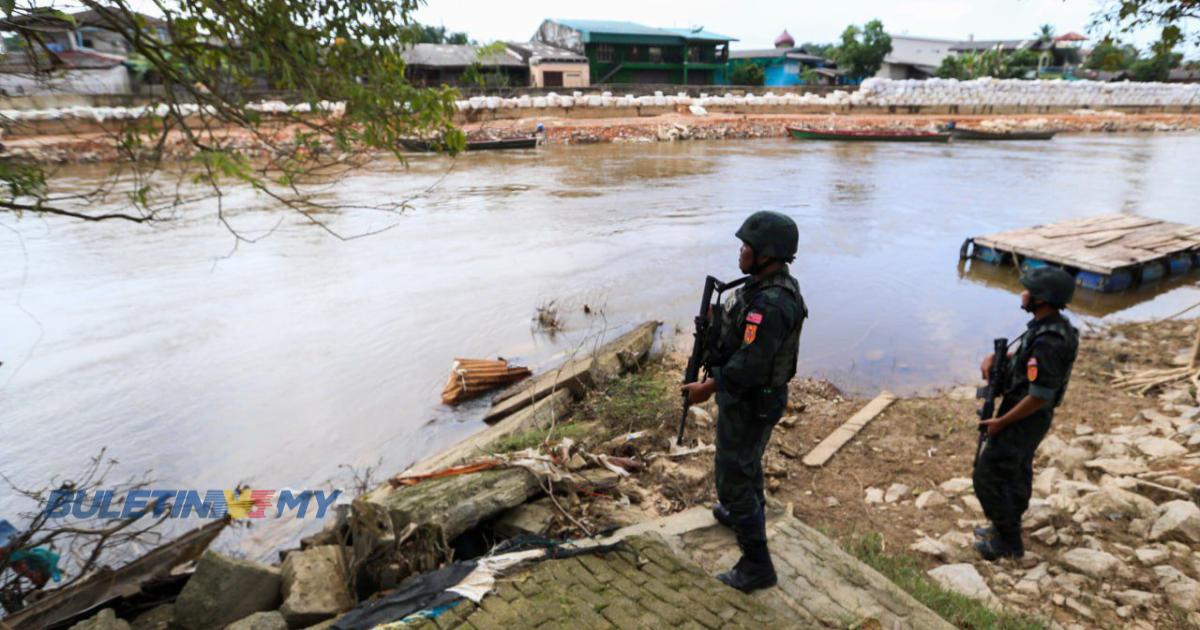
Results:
754 360
1039 371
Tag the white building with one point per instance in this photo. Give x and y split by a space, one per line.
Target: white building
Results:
915 57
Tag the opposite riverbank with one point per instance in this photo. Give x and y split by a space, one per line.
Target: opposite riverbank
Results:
80 141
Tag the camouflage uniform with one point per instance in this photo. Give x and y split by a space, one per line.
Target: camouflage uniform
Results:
1040 367
760 339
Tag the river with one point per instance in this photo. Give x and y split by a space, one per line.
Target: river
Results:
275 363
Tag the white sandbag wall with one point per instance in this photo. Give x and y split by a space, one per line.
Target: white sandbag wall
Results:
1017 92
872 93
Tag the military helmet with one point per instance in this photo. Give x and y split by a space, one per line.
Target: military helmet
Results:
1050 285
770 234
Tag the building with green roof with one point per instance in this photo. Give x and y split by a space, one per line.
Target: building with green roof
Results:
625 52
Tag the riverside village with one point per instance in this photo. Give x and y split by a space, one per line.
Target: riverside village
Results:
463 315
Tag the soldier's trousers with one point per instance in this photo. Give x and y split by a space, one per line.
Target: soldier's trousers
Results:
744 428
1003 475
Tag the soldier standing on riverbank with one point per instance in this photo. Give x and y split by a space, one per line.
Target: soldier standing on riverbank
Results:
755 359
1040 370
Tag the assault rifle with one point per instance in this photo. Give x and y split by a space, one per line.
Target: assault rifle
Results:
997 378
705 337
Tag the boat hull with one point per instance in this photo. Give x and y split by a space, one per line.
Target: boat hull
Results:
854 135
975 134
415 144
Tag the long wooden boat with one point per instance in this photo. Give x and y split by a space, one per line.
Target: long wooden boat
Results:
868 135
521 142
960 133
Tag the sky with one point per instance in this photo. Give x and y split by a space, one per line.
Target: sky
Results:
756 23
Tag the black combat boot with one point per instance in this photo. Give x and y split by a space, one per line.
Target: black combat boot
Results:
721 513
755 569
985 533
1001 546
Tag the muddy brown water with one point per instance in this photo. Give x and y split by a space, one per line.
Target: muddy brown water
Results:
276 364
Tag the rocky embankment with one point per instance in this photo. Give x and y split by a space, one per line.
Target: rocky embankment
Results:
1113 529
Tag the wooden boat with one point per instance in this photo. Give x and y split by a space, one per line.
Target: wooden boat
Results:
960 133
868 135
471 377
519 142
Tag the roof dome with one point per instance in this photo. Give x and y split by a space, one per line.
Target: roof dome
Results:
785 40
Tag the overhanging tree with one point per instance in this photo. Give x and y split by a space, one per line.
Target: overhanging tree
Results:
1174 18
338 63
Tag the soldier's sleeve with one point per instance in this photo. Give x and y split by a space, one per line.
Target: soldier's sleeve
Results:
1046 367
764 329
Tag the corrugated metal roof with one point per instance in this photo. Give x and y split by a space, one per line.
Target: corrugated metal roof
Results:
769 53
610 27
534 52
456 55
617 27
701 34
987 44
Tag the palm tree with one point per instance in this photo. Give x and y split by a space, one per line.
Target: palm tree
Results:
1045 34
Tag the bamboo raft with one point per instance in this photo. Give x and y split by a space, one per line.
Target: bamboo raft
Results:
1107 253
470 378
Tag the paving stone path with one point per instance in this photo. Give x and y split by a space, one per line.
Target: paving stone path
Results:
645 586
663 580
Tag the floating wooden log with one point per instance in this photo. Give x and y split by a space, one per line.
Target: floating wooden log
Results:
470 378
578 374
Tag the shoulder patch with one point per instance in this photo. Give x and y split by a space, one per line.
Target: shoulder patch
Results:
750 333
754 317
1031 369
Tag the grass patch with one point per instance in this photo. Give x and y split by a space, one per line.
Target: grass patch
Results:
633 402
530 439
960 610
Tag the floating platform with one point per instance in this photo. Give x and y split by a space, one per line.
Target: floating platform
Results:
1107 253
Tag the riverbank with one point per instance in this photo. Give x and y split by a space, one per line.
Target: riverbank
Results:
1111 534
80 141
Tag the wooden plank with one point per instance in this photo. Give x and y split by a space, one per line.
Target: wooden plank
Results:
843 434
577 375
1133 223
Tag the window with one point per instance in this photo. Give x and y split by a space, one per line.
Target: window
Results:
604 53
656 55
693 53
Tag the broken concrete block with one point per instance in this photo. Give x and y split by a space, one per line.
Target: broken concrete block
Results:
315 585
223 590
270 620
104 620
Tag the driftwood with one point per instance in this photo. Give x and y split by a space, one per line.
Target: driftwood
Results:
579 374
1147 380
107 585
472 377
542 414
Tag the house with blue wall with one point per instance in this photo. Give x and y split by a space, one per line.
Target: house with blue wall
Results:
785 64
